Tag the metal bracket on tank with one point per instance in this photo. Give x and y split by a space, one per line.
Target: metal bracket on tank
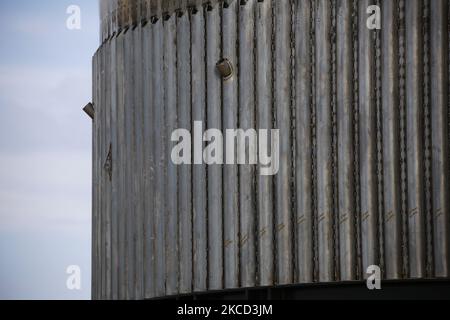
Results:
89 109
225 68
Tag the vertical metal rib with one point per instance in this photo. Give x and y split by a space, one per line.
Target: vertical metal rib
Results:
230 173
214 108
313 124
98 173
293 131
185 177
324 152
102 233
282 104
264 121
368 151
104 146
129 175
427 138
356 138
414 139
264 101
303 166
439 60
391 147
379 136
402 105
138 169
99 170
149 162
114 180
158 145
120 164
105 178
107 134
199 170
95 179
171 185
345 150
103 175
334 144
246 122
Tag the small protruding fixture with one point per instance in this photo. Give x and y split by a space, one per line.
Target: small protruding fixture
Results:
89 109
108 166
225 68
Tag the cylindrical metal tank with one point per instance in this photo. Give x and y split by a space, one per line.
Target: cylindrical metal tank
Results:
363 119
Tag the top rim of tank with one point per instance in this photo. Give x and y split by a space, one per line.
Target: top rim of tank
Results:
116 15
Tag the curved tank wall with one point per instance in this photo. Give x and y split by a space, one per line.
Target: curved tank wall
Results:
364 144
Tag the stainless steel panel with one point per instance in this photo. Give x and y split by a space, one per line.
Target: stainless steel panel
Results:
304 152
199 186
185 171
247 121
391 143
149 164
367 143
440 106
282 96
129 212
324 142
414 139
106 178
264 120
159 156
214 121
120 163
230 172
138 159
364 144
345 147
171 183
115 182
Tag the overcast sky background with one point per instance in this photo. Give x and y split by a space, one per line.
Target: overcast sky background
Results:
45 148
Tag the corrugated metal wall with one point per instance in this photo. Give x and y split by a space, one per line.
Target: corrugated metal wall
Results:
364 145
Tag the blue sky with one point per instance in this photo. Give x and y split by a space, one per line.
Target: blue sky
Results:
45 147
